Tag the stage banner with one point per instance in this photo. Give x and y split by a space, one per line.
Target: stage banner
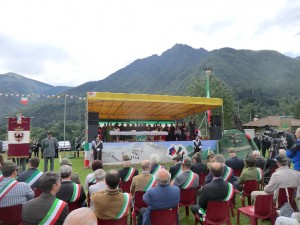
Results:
18 137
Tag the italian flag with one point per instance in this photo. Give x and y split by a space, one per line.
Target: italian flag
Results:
24 100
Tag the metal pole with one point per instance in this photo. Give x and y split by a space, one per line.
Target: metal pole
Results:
65 109
208 72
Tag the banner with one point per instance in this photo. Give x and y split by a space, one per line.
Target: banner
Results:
18 137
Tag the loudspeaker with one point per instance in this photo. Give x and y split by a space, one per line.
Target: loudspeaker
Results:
215 120
93 118
215 133
92 132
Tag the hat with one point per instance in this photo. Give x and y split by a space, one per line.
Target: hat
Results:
281 159
231 150
65 161
177 157
126 158
9 165
187 161
210 153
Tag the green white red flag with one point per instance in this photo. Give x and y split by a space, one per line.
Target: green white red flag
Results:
24 100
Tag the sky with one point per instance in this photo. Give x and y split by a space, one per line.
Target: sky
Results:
70 42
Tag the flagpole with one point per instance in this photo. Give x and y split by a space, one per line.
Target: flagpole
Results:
65 109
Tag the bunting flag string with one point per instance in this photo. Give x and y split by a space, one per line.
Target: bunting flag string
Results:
25 97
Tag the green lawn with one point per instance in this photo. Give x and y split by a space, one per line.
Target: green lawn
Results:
83 172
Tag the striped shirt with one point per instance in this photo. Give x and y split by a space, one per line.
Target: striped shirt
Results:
17 195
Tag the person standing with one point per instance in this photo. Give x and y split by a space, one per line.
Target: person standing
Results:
197 144
36 148
97 147
192 128
293 152
48 147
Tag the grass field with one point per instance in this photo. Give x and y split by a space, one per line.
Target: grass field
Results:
83 172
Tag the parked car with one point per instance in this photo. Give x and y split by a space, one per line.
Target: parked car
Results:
64 146
3 146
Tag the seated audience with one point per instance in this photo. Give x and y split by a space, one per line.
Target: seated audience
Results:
90 179
210 156
234 162
81 216
176 169
32 175
69 191
187 179
75 176
216 190
259 161
13 192
198 167
111 203
155 166
128 172
40 210
100 184
162 196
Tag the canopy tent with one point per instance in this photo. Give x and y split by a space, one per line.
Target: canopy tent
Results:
124 106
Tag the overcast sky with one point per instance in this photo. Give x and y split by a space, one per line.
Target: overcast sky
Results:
70 42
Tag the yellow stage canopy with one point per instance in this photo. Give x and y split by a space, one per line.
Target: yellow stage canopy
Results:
121 106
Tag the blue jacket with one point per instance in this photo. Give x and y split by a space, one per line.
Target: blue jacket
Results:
160 197
295 157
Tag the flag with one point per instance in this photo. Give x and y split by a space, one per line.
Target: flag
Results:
18 137
24 100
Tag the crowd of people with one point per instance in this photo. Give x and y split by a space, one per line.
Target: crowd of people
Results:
102 198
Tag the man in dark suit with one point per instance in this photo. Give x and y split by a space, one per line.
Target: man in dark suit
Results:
38 210
97 147
176 169
69 191
162 196
234 162
198 167
216 190
128 172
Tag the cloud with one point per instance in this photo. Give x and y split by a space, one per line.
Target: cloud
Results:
26 57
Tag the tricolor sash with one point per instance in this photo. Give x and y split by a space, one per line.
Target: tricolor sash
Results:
178 172
1 176
230 192
156 169
76 192
189 182
54 212
7 188
259 173
130 174
125 206
34 177
228 173
150 184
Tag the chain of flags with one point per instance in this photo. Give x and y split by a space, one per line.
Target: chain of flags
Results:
25 98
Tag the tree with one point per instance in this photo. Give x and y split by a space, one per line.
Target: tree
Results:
218 89
296 109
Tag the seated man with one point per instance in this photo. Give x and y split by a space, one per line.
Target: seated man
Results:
234 162
111 203
259 161
162 196
284 177
176 169
187 179
13 192
216 190
198 167
32 175
69 191
143 181
90 179
293 220
100 184
155 166
227 171
128 172
75 176
40 210
210 156
81 216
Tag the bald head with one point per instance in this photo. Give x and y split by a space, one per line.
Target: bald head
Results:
163 177
146 165
81 216
216 169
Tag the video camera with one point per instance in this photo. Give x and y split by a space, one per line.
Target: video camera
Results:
276 138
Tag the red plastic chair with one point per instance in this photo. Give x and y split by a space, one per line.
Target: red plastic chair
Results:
125 186
164 216
73 205
37 192
122 221
138 204
11 215
201 179
262 209
217 212
187 198
248 187
237 172
282 197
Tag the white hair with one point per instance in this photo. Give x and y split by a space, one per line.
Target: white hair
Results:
154 158
99 174
256 153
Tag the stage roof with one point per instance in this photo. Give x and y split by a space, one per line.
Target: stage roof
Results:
121 106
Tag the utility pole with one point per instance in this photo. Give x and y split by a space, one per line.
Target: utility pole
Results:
208 73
